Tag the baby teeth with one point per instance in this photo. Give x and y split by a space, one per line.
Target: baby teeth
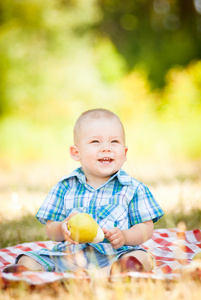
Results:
106 160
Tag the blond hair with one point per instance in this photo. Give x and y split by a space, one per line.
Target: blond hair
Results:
94 114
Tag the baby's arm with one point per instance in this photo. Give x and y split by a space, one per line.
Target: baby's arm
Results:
58 231
133 236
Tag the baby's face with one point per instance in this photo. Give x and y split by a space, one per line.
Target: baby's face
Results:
101 146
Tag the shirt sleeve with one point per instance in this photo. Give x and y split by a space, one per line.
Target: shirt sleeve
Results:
143 206
53 207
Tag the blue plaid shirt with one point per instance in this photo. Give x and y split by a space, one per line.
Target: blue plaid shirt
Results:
120 202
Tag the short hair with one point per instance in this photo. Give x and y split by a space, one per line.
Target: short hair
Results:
94 114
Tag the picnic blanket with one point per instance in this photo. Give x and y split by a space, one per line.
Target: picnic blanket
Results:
172 249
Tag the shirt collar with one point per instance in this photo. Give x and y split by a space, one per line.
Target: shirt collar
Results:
121 175
76 173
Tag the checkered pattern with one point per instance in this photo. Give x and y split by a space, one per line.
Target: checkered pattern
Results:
120 202
172 249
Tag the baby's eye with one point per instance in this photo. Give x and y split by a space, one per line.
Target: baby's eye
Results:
94 141
115 141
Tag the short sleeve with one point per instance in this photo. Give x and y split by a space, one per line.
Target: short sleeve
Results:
143 206
53 207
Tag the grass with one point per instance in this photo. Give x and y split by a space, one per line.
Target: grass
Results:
191 220
28 229
18 225
25 229
139 289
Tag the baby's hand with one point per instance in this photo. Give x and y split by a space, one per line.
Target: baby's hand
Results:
64 229
115 236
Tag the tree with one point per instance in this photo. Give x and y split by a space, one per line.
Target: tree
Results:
153 35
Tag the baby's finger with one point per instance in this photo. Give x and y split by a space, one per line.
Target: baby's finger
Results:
108 233
70 216
72 241
105 230
117 246
66 233
116 243
69 239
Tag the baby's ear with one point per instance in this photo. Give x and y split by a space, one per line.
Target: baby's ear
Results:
126 150
74 153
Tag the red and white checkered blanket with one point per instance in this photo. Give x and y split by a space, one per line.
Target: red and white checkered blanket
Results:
172 249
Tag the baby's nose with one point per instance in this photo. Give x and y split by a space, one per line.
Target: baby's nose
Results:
105 149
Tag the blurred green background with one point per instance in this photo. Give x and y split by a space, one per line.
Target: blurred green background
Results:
141 59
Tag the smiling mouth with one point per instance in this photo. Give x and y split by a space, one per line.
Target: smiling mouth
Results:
105 160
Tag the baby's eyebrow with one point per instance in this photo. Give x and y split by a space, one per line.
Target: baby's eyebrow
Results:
117 138
111 137
92 138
